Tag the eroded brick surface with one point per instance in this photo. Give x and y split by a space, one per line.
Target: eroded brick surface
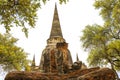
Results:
85 74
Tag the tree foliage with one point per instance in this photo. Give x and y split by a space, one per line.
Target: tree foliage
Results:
104 49
110 12
103 42
60 1
18 13
95 41
21 13
12 57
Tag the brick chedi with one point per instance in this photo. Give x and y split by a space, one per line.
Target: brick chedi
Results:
50 61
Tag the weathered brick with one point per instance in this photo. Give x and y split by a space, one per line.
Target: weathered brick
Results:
85 74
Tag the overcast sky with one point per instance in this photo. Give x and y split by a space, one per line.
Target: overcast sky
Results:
74 16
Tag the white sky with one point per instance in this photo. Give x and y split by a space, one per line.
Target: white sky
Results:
74 16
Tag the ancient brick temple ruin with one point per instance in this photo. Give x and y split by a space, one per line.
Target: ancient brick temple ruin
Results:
55 56
56 62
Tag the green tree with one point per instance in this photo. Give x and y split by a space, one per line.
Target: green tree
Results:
12 57
110 12
18 13
103 49
21 13
104 41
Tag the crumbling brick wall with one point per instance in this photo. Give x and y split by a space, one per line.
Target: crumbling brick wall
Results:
86 74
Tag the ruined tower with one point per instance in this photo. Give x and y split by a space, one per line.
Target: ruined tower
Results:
54 38
33 65
56 32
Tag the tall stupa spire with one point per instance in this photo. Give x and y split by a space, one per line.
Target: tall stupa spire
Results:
33 62
56 28
49 61
77 58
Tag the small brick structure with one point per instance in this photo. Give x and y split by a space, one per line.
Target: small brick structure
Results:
85 74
